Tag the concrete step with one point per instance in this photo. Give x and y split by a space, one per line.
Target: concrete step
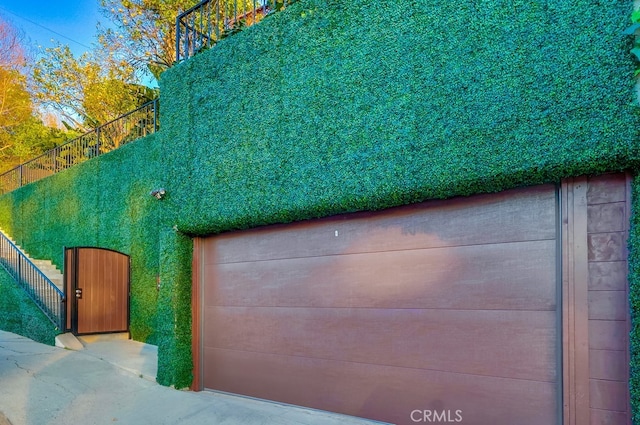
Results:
43 264
69 341
59 283
90 339
50 271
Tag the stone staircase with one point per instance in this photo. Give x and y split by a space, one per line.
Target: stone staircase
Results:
46 266
51 271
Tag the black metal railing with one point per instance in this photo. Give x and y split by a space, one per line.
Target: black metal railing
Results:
39 287
202 26
127 128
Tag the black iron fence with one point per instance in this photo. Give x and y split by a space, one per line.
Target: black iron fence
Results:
202 26
107 137
47 296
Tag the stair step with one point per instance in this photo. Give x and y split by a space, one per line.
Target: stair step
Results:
50 269
47 268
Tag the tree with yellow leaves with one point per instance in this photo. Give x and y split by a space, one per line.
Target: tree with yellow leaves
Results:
22 133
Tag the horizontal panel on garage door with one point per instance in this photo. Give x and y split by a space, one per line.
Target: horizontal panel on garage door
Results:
461 341
486 219
441 305
381 392
506 276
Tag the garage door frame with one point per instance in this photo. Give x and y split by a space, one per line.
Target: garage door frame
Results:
573 352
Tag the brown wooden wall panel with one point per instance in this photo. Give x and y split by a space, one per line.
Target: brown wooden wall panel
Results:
196 314
607 247
500 276
607 188
608 220
511 216
608 276
607 335
608 417
608 365
386 393
609 395
606 217
86 306
608 305
516 344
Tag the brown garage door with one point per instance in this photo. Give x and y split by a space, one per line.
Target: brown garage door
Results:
440 308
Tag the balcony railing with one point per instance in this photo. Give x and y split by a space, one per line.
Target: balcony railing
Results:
107 137
202 26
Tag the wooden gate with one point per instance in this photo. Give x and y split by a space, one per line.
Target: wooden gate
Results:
97 287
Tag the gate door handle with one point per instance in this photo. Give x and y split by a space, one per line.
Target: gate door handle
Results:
79 293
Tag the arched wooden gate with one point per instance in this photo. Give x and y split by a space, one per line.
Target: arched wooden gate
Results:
97 290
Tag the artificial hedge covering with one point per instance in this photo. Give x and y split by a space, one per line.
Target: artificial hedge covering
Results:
18 314
341 105
105 202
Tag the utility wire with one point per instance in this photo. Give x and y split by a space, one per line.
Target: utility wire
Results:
45 28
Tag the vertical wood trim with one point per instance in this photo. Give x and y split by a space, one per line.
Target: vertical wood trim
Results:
560 411
566 204
127 264
69 295
74 286
627 228
575 326
196 315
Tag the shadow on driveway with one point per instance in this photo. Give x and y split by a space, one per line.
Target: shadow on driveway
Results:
50 385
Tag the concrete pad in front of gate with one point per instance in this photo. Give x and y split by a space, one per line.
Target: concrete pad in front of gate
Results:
132 356
43 384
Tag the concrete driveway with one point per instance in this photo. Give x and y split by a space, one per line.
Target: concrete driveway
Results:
40 384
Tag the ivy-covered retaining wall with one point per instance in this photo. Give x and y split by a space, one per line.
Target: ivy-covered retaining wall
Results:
342 105
106 203
18 314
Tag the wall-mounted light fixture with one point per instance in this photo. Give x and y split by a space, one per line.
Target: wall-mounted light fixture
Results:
158 193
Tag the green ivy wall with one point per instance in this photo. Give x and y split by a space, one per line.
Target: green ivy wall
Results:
341 105
106 203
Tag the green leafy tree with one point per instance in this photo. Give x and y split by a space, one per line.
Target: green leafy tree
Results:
23 135
15 112
145 30
144 35
87 91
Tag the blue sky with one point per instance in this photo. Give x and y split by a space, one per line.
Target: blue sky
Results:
73 19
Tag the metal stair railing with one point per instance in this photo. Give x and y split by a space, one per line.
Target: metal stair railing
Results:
39 287
105 138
